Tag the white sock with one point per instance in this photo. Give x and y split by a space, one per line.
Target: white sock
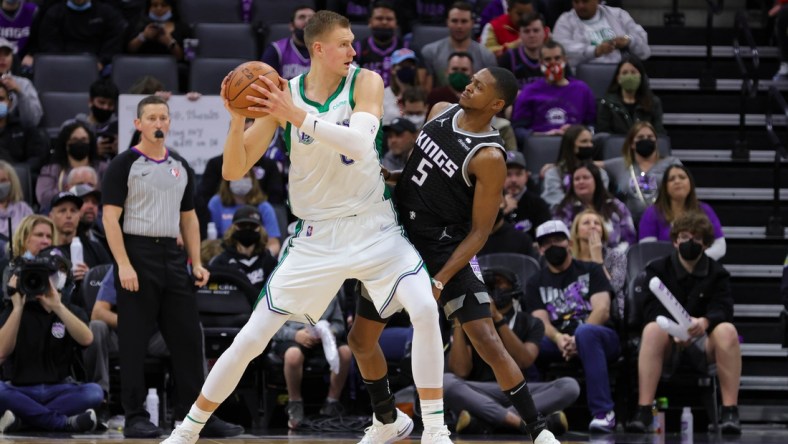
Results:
432 413
195 420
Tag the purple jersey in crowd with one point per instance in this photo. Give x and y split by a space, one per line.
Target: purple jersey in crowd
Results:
291 61
17 28
654 225
542 107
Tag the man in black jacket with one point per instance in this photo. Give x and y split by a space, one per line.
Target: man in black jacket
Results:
702 286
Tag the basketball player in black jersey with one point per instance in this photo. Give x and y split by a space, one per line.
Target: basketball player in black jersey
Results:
448 197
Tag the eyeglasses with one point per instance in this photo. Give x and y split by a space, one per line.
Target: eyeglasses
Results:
685 236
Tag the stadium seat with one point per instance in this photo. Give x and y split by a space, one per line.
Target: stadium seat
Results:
210 11
597 76
26 180
65 72
91 285
614 143
277 31
128 69
226 40
61 106
206 74
276 11
424 34
360 31
523 266
541 150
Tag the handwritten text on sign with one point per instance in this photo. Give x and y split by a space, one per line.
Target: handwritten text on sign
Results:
197 128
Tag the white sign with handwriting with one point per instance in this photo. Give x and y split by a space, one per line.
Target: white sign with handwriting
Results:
197 128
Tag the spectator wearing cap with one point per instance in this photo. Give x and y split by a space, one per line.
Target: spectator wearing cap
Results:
244 244
500 34
400 139
83 181
289 56
572 298
404 76
12 203
24 105
523 207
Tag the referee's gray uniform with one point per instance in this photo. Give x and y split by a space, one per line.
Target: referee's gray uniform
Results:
152 194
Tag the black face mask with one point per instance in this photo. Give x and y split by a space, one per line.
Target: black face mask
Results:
247 238
382 34
585 153
406 75
299 35
78 150
690 250
502 298
101 115
556 255
645 147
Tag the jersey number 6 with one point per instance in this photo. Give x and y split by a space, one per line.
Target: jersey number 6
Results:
422 169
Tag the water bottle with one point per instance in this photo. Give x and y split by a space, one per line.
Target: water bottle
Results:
662 407
212 233
76 252
152 406
686 426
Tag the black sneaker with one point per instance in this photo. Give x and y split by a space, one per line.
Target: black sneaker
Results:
216 428
141 428
84 422
643 421
557 423
9 423
729 421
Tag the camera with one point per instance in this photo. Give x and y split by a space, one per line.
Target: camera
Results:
33 275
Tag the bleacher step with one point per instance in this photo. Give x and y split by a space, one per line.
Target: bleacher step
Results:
764 350
702 155
739 193
765 383
757 310
749 233
716 119
755 271
716 51
693 84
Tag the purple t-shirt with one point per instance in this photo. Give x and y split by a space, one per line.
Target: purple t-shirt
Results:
653 224
542 107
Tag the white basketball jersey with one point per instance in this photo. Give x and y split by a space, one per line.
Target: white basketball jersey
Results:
323 184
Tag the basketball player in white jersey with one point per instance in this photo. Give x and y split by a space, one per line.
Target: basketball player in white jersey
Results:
347 229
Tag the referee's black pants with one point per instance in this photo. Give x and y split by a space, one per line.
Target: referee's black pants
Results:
166 301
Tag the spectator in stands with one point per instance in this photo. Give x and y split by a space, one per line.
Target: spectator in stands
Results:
40 334
289 56
400 138
83 26
75 146
677 196
432 12
501 33
587 191
589 244
90 226
160 32
638 172
523 59
296 343
577 146
25 104
599 33
702 286
460 24
469 384
17 25
522 205
506 238
357 11
403 76
102 119
550 105
572 298
245 191
780 10
19 145
458 75
629 100
245 249
12 203
414 106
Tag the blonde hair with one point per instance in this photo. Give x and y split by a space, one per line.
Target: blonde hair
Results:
25 228
15 195
321 23
574 240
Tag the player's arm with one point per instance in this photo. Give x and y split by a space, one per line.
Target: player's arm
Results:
489 168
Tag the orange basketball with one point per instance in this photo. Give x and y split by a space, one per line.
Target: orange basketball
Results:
239 86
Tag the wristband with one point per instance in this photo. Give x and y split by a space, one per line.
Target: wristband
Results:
500 324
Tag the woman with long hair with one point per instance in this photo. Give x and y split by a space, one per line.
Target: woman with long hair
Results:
12 204
638 172
677 196
33 234
577 147
586 191
629 100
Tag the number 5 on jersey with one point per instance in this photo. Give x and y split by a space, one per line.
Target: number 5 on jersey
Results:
424 165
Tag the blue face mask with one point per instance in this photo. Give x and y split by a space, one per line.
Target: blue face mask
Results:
3 110
28 255
75 7
167 16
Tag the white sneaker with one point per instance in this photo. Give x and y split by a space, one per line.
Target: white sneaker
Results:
181 436
7 421
436 435
379 433
546 437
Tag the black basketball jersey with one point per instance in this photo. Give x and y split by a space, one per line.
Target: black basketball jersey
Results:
435 192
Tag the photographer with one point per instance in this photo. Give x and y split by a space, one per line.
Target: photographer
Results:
39 390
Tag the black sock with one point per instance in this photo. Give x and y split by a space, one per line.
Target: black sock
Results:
524 404
382 400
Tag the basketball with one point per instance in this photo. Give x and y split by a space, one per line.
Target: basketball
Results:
239 86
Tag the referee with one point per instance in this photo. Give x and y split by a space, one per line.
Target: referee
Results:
148 201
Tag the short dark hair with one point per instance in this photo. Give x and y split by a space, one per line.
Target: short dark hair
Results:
530 18
695 222
460 54
505 84
104 88
382 4
320 23
518 2
298 8
552 44
150 100
462 6
411 95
